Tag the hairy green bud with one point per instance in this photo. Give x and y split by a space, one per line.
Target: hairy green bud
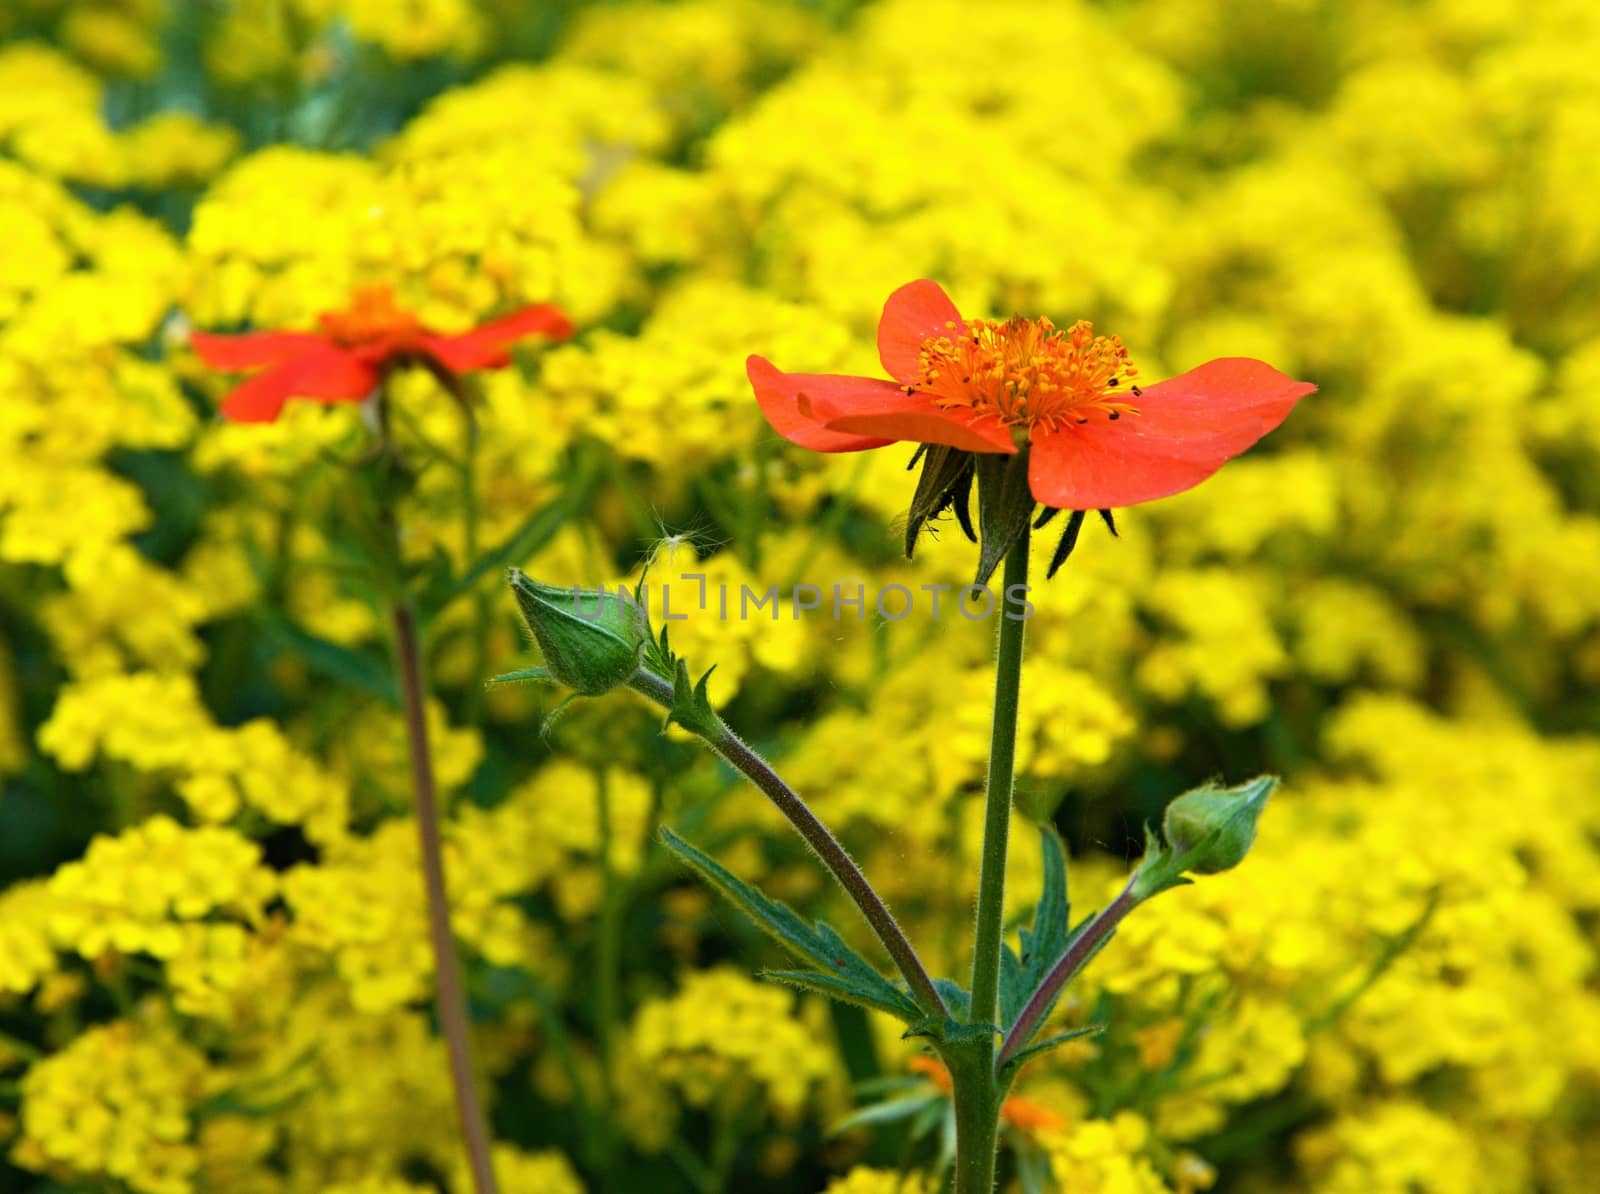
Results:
591 639
1216 825
1207 830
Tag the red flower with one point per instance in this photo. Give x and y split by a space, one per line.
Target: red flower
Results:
355 350
1096 439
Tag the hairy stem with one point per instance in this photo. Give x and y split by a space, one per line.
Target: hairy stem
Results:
451 997
482 609
997 811
754 768
977 1089
977 1097
608 970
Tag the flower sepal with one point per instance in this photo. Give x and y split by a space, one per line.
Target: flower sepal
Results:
1207 830
1005 508
945 484
691 704
592 640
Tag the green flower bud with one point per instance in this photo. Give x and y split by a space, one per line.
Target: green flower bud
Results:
591 639
1216 825
1208 830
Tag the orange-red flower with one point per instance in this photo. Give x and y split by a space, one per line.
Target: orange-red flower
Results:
353 351
1096 438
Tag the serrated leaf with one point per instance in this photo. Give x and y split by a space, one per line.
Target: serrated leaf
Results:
835 986
950 1031
958 1006
815 943
1045 942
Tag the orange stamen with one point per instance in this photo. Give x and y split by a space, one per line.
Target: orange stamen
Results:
1029 373
373 318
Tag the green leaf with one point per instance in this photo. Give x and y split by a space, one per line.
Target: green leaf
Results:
526 675
1065 545
835 986
1023 1056
842 973
1033 1171
934 1114
359 670
885 1112
537 530
1043 945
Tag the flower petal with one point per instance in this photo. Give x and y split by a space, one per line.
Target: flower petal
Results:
488 345
780 393
1188 427
892 413
252 350
327 375
913 313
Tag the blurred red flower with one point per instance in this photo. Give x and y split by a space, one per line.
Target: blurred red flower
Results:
353 351
1096 439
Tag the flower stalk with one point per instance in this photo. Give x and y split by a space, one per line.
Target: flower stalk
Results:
450 994
753 767
1087 944
978 1090
997 795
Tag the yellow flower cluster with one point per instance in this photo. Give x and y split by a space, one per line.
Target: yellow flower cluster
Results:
116 1101
517 1170
54 123
722 1039
158 725
863 1180
1103 1157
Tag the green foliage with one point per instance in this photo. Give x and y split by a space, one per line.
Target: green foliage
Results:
840 972
1045 942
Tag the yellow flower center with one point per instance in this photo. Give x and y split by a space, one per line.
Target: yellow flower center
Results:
1028 373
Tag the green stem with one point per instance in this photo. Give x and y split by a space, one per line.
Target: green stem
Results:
997 813
1083 948
607 966
827 847
481 608
450 994
978 1091
977 1097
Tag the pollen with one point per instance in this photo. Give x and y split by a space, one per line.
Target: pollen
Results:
373 318
1029 373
